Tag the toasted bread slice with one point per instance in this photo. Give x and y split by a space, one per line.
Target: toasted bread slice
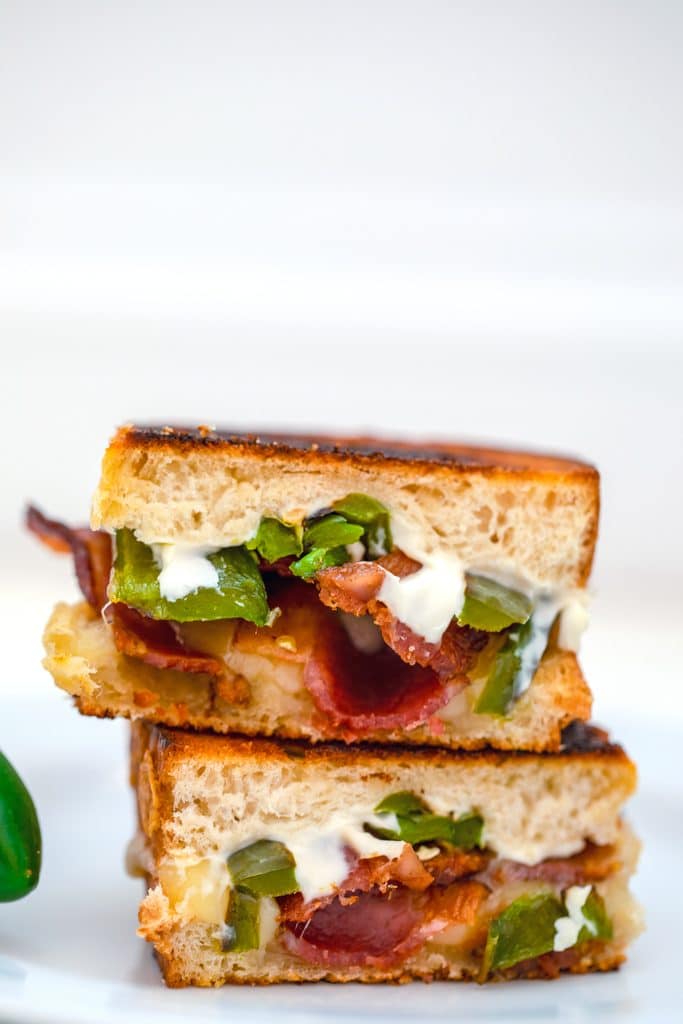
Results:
550 823
265 694
536 515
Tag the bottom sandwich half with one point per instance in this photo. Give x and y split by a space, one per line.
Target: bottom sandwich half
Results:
270 862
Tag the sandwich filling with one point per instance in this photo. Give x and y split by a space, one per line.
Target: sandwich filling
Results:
374 890
415 626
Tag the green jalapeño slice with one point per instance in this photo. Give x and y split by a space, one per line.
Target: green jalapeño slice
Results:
331 531
491 606
242 924
325 541
523 930
355 518
265 868
499 689
527 929
275 540
416 824
598 924
373 516
240 593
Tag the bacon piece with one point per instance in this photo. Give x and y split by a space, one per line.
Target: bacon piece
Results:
91 549
369 931
156 642
453 904
149 640
358 692
407 870
353 588
379 929
551 965
451 864
370 873
592 864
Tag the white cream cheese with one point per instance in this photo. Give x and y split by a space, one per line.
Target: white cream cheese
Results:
318 852
184 569
427 600
356 551
573 621
543 616
269 918
567 928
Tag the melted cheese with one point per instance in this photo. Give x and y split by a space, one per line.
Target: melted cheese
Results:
321 864
544 614
426 601
573 621
198 887
269 918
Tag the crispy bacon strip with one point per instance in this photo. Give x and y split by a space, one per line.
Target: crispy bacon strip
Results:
592 864
354 587
375 929
359 692
355 692
292 635
380 929
364 875
91 549
451 864
154 642
407 870
385 910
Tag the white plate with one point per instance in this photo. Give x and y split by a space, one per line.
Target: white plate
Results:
68 953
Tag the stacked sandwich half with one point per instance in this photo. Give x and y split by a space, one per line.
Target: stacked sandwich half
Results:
359 728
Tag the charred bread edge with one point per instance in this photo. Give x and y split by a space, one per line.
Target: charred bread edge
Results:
327 449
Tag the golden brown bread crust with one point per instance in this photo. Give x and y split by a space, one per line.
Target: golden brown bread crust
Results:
584 742
593 957
325 449
536 515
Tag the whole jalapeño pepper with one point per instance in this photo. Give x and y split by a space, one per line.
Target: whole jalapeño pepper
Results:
20 840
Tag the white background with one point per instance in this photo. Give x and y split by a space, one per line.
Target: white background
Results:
453 219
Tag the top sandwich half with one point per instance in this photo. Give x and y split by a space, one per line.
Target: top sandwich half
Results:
333 588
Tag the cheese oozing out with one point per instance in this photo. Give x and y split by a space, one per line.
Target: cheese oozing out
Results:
199 886
319 853
184 569
426 601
